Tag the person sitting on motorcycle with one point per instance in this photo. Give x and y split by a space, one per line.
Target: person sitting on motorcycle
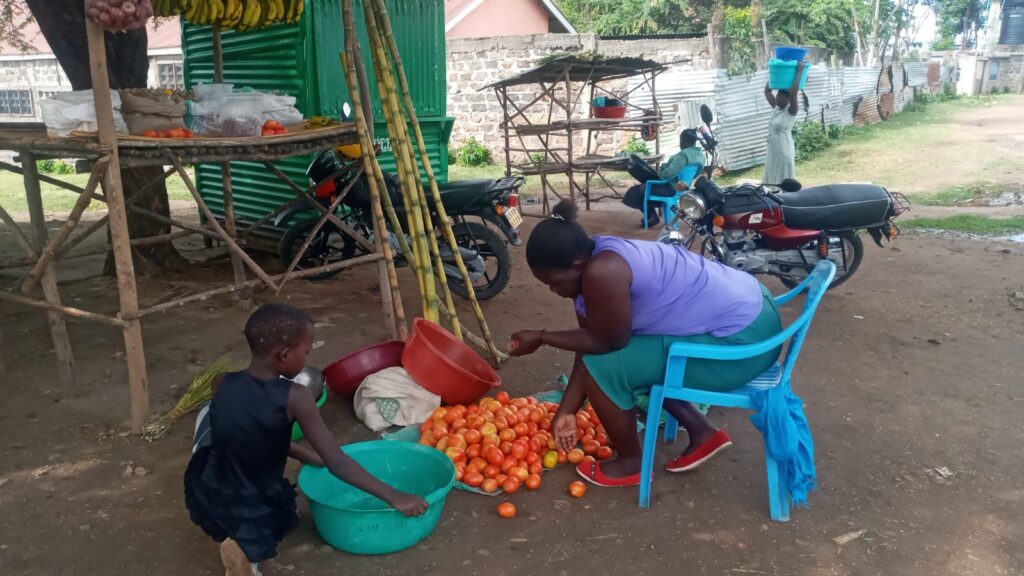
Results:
690 156
633 300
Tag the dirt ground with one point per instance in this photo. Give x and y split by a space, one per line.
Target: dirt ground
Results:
911 377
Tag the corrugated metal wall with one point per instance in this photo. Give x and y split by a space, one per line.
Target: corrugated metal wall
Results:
302 60
916 73
831 96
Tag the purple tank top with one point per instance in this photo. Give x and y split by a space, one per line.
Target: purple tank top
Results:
678 293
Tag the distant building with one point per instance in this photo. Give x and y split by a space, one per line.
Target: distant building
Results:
489 18
998 63
26 78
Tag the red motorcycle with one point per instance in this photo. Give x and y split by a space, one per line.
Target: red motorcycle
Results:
758 230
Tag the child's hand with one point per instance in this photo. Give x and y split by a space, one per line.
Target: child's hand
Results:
408 504
564 428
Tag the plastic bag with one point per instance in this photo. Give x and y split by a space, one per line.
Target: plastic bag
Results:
391 398
67 112
241 115
119 15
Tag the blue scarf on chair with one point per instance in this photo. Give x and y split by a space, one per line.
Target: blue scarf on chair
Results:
779 415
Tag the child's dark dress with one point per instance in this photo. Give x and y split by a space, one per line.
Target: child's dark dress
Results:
236 488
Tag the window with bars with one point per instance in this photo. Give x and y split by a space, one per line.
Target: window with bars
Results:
171 75
15 103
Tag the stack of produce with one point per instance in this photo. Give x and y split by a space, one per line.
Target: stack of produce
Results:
238 15
119 15
504 443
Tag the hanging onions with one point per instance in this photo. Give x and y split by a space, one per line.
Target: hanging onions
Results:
119 15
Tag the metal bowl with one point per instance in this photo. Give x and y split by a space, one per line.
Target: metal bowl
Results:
312 378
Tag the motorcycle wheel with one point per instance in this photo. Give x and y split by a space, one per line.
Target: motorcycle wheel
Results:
329 246
497 262
853 247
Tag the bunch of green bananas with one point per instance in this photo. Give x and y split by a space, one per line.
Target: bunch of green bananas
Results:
162 8
238 15
319 122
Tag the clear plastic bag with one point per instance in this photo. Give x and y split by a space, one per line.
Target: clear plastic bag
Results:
241 115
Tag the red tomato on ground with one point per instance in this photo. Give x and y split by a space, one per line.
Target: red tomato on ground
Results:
507 510
532 482
577 489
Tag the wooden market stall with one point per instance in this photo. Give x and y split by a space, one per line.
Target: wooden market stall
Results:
549 129
108 152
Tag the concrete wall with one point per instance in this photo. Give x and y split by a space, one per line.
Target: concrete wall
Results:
476 62
42 76
1003 73
502 18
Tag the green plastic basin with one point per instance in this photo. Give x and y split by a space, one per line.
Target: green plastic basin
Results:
296 430
353 521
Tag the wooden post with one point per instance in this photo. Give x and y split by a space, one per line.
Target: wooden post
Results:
237 266
48 280
119 236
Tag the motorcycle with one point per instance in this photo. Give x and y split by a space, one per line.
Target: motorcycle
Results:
782 230
484 252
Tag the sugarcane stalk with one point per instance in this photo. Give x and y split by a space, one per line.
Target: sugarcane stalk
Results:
379 10
370 165
396 121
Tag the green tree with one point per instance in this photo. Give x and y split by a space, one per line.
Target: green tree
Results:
957 19
626 17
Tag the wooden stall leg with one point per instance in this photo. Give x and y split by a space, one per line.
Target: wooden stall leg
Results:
120 239
48 280
237 266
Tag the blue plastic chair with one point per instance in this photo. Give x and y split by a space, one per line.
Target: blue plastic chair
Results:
778 375
687 174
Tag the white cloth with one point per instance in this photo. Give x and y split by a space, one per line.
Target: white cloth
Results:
781 161
391 398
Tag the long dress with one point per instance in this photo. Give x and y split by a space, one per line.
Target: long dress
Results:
781 161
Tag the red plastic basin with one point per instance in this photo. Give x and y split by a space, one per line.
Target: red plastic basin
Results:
442 364
346 374
609 111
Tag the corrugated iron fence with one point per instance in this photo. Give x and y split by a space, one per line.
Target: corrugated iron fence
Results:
832 96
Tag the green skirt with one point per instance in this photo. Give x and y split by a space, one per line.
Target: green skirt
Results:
629 373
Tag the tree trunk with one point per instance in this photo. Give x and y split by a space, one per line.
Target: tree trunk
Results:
62 23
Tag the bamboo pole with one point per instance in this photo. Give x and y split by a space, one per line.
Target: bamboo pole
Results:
92 229
255 283
19 236
396 310
212 220
119 235
49 251
48 279
61 309
396 123
388 36
176 223
54 181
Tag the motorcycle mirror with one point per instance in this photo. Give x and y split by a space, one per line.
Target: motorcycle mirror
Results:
790 185
706 115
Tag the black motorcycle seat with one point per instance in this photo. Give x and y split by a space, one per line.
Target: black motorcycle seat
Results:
836 207
463 192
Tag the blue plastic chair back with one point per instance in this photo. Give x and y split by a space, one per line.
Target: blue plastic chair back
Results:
816 283
685 175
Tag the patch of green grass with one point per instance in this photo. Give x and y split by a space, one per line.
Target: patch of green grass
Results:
896 153
56 199
971 224
958 194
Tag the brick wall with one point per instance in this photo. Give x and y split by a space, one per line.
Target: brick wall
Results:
476 62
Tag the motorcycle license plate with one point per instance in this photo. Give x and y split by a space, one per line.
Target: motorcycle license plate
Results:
515 219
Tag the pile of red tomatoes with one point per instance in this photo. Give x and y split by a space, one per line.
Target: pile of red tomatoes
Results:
506 443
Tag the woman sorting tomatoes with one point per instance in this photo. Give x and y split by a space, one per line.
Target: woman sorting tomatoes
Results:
633 300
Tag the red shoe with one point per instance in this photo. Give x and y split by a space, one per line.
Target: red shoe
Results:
718 442
591 472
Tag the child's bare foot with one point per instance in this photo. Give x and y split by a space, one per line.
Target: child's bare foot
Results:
235 561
